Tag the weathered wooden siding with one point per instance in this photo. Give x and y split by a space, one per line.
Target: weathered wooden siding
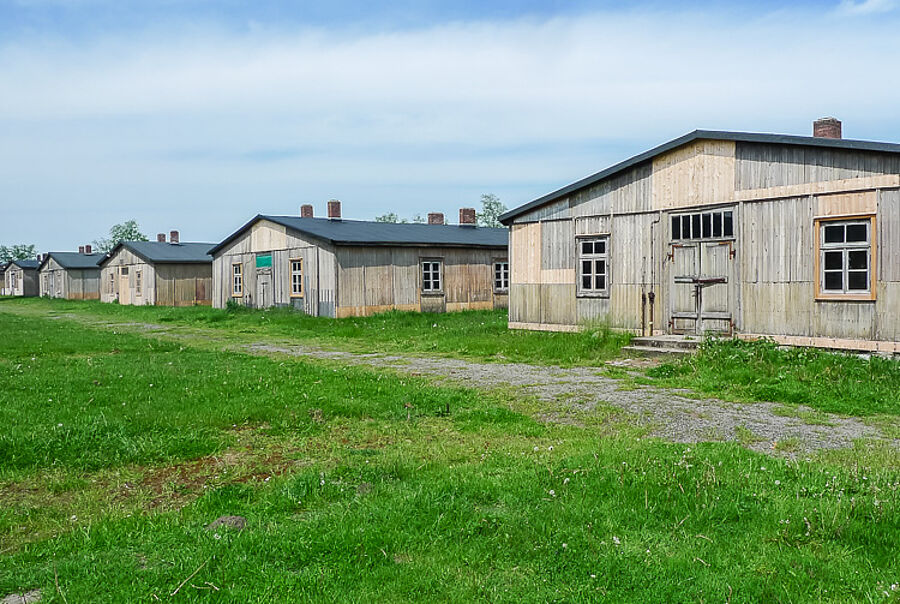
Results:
761 166
70 284
775 192
183 284
377 279
264 237
123 289
26 282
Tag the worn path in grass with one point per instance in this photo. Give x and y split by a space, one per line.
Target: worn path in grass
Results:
567 394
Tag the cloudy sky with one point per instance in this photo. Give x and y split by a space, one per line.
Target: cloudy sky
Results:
199 114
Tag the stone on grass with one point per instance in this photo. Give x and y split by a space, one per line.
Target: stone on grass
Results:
28 597
235 522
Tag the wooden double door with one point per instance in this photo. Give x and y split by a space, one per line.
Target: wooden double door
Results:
702 288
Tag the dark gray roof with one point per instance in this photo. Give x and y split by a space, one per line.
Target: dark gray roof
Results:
74 260
719 135
31 263
158 252
358 232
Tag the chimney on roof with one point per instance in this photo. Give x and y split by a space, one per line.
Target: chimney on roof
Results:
435 218
827 127
161 237
87 248
334 209
173 236
306 211
80 249
467 216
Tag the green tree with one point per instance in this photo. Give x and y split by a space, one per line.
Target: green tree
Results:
392 217
125 231
491 209
16 252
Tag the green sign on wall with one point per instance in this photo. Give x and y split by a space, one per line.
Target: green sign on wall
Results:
264 261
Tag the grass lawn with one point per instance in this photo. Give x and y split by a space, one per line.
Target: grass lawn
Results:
761 371
479 335
359 486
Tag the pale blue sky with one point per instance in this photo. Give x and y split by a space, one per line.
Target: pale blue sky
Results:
197 115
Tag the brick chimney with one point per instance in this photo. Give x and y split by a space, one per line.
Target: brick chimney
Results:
87 248
435 218
80 249
173 236
306 211
467 216
161 237
334 209
827 127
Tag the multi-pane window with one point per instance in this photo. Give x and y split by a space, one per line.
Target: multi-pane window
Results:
112 282
703 225
501 276
593 265
845 256
237 280
297 278
138 282
431 276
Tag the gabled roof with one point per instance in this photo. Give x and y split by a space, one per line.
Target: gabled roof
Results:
73 260
26 264
159 252
716 135
359 232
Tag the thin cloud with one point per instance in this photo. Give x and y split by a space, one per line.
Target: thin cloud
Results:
866 7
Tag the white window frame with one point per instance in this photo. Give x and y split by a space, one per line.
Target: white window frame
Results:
845 248
296 276
501 275
709 224
432 273
237 279
138 282
592 259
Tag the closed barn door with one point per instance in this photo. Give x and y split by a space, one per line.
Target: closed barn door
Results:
264 295
702 285
124 287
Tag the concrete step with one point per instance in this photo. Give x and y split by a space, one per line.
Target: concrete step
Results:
667 342
656 351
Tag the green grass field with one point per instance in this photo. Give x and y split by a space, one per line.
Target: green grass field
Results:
119 448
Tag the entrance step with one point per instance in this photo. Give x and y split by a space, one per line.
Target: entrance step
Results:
685 343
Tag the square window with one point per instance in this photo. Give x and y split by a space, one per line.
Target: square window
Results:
834 234
857 233
587 247
857 280
594 266
834 281
857 260
834 261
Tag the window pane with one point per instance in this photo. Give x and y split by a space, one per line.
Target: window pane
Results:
834 281
857 280
707 225
587 247
585 267
834 261
676 227
858 260
857 232
600 246
601 282
728 224
834 233
686 227
695 226
600 267
717 224
586 282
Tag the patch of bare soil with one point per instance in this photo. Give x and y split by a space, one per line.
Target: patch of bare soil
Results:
671 414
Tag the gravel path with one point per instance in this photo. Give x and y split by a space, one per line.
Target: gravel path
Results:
672 414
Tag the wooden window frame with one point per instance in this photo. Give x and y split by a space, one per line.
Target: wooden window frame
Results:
138 282
239 273
580 290
291 272
825 296
438 291
507 274
112 282
700 219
